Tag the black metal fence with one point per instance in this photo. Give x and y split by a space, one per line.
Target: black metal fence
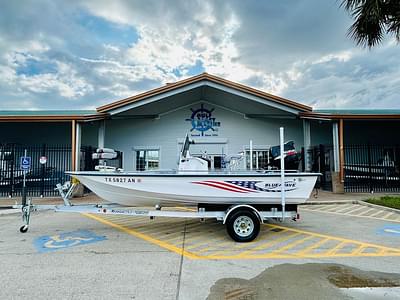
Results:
367 168
41 179
372 168
321 161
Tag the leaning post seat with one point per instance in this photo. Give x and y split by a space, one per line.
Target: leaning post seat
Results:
105 153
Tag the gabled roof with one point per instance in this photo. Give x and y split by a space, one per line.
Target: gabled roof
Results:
199 78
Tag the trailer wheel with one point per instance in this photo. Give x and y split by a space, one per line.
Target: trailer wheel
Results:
243 226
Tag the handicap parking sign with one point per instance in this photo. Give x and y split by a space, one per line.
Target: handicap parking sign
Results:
25 163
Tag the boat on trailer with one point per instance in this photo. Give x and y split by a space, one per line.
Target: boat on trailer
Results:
194 184
240 199
177 188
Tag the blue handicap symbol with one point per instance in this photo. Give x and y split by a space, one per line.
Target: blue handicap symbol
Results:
49 243
390 229
25 162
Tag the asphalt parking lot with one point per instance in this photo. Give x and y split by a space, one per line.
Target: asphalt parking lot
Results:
78 256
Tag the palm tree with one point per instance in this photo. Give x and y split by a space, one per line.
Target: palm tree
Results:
373 19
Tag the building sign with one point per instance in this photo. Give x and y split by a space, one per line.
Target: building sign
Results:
203 123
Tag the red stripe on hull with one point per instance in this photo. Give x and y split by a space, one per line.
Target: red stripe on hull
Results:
220 187
230 185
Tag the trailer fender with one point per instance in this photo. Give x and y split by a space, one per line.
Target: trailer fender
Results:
246 206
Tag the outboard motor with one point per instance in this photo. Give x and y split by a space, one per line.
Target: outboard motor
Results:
291 156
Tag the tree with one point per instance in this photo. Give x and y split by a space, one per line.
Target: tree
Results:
373 19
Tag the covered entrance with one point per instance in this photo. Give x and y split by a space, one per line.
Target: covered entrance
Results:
363 153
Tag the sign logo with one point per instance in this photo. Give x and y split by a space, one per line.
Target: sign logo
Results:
203 122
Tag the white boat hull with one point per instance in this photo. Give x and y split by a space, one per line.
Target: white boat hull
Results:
171 189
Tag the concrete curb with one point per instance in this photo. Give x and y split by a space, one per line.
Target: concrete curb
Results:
9 211
330 202
5 207
393 210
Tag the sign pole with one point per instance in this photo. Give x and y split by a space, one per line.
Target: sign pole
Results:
283 200
24 185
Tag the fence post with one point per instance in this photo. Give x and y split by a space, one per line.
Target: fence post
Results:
322 167
12 171
42 171
371 190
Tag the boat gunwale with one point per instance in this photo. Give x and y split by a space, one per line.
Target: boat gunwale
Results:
214 174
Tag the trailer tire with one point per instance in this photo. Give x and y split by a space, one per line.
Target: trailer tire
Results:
243 225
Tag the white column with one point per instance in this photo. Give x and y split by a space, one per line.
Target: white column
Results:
282 150
78 146
335 136
251 154
307 143
101 134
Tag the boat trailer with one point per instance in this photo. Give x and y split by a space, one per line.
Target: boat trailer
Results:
242 220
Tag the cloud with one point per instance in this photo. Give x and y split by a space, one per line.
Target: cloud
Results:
367 79
86 53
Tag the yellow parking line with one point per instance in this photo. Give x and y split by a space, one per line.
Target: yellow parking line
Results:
338 238
313 246
177 234
161 227
339 246
203 243
316 207
351 212
366 212
293 244
377 213
185 208
346 207
333 207
122 218
201 239
359 250
238 246
291 256
144 237
268 244
359 216
387 215
206 240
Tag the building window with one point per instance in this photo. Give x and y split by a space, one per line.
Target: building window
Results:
260 159
147 160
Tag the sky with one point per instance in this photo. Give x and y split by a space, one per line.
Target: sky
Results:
82 54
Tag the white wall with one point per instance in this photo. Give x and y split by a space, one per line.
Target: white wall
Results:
164 133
